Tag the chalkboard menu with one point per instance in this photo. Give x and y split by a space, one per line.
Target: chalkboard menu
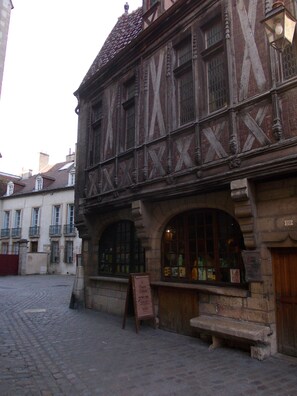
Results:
252 264
139 299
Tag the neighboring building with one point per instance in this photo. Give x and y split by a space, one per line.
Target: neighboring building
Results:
40 209
5 9
186 169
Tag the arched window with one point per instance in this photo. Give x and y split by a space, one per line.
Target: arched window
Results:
120 252
203 246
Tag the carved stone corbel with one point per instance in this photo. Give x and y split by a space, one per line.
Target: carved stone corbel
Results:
245 210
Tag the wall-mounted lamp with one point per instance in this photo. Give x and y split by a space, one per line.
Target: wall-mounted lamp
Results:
279 26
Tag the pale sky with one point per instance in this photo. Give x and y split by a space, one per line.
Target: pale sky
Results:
51 45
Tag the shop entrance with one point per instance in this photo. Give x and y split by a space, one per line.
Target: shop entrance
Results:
285 283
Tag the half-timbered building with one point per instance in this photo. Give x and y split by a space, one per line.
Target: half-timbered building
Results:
187 150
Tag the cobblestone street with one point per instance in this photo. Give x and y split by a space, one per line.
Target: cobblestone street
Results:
48 349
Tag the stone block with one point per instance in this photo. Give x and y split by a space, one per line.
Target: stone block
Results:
260 352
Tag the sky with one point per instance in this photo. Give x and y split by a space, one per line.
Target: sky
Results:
51 45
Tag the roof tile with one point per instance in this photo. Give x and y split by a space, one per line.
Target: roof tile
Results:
126 29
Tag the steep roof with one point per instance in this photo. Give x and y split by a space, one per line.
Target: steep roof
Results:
126 29
56 177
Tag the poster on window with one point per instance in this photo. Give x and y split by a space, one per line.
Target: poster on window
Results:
252 265
234 275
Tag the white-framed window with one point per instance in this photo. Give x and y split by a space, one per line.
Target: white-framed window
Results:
70 214
10 188
17 218
56 220
15 248
35 217
38 183
6 219
68 259
4 248
55 252
71 177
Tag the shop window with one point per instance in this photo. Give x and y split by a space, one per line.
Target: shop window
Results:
185 83
120 250
203 246
215 64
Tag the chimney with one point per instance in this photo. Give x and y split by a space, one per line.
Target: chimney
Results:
70 156
26 173
43 161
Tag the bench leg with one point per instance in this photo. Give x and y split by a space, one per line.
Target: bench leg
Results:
260 352
216 343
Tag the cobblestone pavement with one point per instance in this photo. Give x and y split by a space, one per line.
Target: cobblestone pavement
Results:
48 349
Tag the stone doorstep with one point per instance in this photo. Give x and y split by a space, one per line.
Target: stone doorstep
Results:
231 328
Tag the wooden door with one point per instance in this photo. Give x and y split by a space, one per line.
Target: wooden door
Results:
285 283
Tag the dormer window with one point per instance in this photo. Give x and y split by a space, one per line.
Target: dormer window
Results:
38 183
10 188
71 177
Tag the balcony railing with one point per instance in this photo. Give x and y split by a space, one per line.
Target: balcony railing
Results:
69 230
34 232
55 230
16 232
5 232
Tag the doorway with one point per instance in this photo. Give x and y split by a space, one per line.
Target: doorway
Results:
285 286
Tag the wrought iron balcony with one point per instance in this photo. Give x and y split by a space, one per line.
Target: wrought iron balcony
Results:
34 232
5 232
69 230
55 230
16 232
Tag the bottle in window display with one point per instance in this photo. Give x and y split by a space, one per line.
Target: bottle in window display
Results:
194 274
181 267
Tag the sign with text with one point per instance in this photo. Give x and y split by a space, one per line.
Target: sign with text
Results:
140 289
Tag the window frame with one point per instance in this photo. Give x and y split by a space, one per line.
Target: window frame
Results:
38 183
55 252
182 71
94 145
68 252
289 61
120 252
197 249
129 107
210 52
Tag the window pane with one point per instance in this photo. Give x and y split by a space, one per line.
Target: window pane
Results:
289 59
186 97
214 34
204 245
216 82
120 251
130 126
184 52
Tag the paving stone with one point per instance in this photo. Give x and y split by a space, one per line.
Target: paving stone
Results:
47 349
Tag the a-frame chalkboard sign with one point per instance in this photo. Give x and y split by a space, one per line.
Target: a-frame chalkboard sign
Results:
139 299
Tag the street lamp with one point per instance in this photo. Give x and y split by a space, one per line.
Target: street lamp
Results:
279 25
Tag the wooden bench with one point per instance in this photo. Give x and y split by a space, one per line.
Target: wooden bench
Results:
256 335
